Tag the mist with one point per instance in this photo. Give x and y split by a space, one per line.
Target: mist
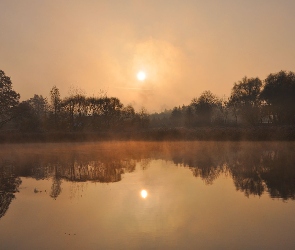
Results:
184 48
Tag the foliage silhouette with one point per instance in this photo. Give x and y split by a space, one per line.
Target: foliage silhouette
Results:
256 110
245 99
9 99
279 94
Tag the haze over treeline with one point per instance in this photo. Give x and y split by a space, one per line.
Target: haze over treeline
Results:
193 44
253 102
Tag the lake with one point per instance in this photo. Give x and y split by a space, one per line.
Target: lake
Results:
148 195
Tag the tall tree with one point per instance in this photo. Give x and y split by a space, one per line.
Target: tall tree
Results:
143 118
279 94
111 111
177 117
55 104
26 119
40 105
189 116
128 117
9 99
244 99
76 109
204 107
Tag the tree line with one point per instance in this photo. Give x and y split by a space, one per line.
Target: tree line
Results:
75 112
252 102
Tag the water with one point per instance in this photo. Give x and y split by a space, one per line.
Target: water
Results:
198 195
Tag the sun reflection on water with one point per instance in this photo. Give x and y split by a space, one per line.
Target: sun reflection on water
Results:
143 193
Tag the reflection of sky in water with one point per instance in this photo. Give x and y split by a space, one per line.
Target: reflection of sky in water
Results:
180 211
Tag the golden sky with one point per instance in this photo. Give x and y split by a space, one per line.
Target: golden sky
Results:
185 47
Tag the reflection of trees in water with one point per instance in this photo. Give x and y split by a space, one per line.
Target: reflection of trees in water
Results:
245 167
69 167
98 171
56 184
208 174
76 189
254 167
145 163
280 179
205 160
268 168
55 188
81 171
9 184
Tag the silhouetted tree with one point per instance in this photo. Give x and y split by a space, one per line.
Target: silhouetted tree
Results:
75 110
244 99
26 119
204 107
128 117
143 118
189 116
95 111
9 99
39 105
222 111
177 117
111 111
279 94
55 104
40 108
160 120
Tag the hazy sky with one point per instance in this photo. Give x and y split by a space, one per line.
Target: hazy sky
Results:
185 47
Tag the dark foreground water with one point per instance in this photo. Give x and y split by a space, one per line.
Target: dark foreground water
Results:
144 195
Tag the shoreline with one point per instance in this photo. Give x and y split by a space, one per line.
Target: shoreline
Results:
259 133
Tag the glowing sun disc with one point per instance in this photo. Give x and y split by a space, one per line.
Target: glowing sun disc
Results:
141 75
144 193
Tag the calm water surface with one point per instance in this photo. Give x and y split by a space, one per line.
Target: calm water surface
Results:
198 195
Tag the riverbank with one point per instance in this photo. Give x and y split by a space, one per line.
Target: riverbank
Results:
259 133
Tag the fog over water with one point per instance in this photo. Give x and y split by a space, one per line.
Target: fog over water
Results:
163 195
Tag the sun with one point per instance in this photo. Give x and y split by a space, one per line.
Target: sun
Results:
141 75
